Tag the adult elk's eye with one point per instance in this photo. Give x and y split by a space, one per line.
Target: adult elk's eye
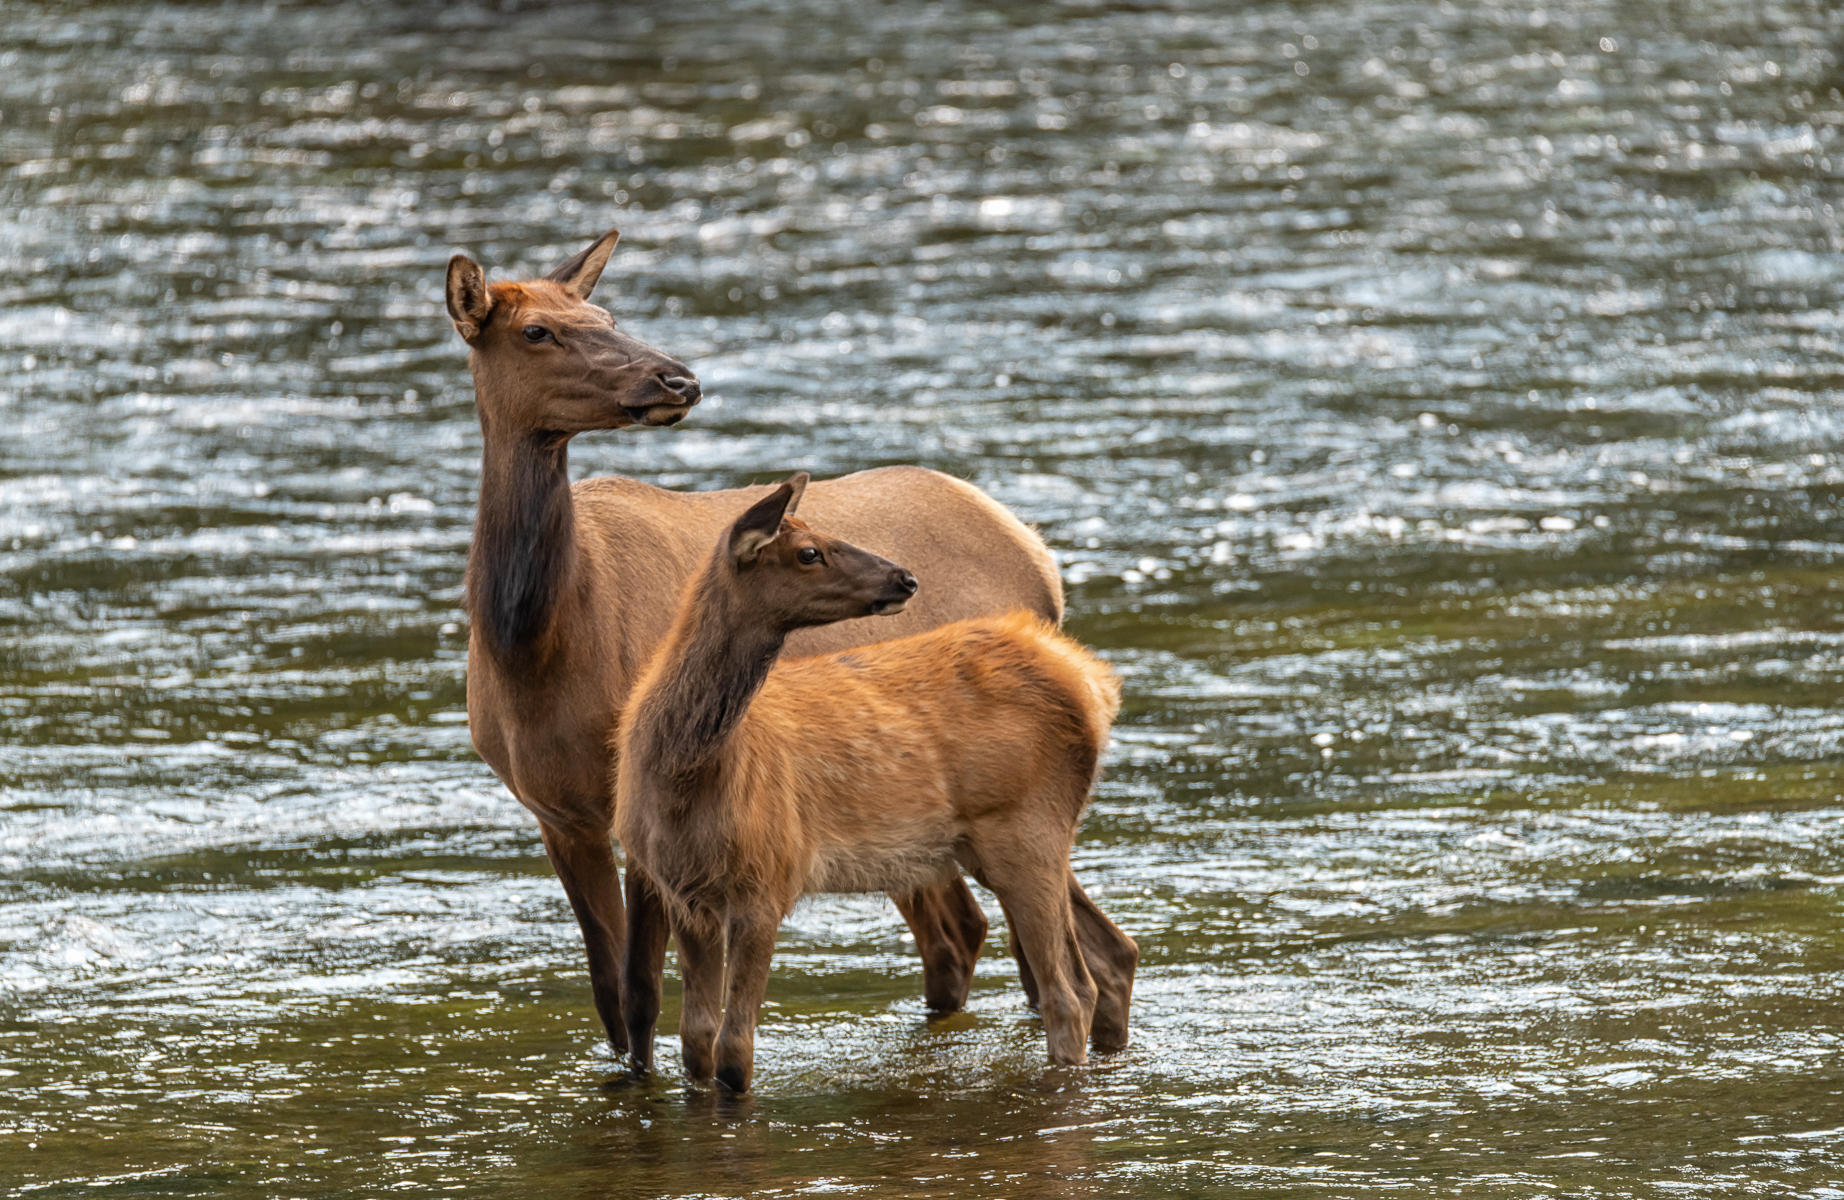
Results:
536 333
808 555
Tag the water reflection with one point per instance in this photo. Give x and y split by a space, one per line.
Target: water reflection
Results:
1431 408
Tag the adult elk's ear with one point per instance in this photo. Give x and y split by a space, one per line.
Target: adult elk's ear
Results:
758 527
580 271
469 302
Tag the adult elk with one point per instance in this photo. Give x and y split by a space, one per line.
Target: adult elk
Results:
747 783
571 587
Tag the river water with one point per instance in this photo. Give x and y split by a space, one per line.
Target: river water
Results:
1434 408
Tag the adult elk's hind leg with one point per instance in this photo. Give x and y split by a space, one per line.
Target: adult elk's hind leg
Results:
950 931
1026 980
585 865
1111 957
643 972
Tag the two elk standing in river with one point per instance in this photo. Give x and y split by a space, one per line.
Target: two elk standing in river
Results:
571 589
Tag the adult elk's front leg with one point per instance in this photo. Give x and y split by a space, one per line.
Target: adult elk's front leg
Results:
950 930
585 864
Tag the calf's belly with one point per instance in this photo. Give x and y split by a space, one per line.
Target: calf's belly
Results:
881 868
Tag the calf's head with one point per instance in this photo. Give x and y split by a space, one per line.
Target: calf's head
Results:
792 576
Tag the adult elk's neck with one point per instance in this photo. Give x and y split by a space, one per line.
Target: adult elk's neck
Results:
523 560
710 668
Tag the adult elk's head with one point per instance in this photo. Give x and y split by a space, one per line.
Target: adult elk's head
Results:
547 361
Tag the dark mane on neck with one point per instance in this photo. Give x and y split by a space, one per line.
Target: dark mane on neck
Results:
524 543
711 666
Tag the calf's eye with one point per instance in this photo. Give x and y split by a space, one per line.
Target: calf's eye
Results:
809 555
536 333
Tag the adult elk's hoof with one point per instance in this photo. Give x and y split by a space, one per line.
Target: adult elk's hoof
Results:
735 1078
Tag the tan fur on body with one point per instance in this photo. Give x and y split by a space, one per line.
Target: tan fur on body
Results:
860 771
747 783
570 589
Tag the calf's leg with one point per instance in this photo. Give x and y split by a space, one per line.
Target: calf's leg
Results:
643 971
1034 892
701 964
746 966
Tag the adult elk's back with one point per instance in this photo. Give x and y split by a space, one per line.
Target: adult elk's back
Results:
571 587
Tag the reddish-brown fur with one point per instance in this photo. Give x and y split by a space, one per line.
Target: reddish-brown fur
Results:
571 587
746 783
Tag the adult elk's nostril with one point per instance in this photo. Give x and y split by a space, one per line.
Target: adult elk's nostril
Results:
683 386
907 582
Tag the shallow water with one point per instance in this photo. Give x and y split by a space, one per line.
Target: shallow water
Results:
1433 406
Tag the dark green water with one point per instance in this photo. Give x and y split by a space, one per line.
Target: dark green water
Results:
1434 408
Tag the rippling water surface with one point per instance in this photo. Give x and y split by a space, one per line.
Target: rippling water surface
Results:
1434 407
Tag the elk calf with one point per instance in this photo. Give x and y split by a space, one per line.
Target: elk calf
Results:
747 783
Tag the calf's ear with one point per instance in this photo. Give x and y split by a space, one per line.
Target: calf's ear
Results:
758 527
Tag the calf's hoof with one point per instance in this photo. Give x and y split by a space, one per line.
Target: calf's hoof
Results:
1068 1048
734 1077
697 1066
